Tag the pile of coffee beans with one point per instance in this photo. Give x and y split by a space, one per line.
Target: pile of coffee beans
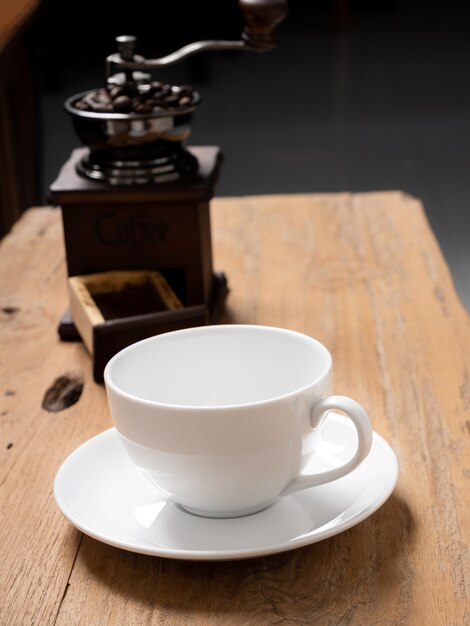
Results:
154 97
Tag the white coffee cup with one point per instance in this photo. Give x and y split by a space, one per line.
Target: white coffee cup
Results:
223 419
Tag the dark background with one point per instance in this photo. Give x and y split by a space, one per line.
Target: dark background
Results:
357 96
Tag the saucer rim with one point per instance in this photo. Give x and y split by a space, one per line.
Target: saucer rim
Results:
300 541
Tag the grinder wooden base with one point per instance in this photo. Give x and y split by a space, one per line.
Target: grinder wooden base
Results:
160 228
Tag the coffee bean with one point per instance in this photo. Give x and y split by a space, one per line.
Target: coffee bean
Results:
171 100
90 99
122 104
103 96
143 108
103 107
82 106
157 94
142 98
166 90
115 92
186 90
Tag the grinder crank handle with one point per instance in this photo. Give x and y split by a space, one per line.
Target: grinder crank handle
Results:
261 19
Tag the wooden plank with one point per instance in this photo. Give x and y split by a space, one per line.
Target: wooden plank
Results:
13 15
363 274
38 547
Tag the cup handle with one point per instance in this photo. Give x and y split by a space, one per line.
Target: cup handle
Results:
364 433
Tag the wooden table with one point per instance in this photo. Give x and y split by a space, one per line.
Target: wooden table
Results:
363 274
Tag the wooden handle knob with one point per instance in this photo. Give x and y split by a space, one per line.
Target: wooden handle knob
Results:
261 19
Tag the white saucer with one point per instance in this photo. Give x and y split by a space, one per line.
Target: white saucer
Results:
104 495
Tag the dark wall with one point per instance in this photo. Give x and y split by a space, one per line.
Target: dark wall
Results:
84 30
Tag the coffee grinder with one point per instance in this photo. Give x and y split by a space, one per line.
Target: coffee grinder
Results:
135 199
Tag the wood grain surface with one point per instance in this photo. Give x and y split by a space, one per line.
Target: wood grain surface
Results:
13 14
363 274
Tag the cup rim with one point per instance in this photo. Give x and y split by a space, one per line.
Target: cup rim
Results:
111 385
